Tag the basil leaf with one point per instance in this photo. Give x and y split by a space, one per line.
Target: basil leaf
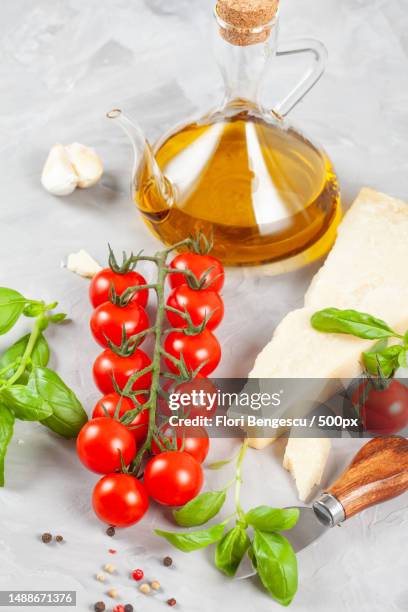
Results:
68 417
11 306
217 465
6 433
402 358
58 318
351 322
26 404
231 549
200 509
276 565
34 309
39 357
384 362
193 540
251 555
272 519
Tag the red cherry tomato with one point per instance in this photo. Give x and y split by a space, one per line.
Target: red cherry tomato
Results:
173 478
108 320
101 284
202 392
100 443
382 412
192 440
200 349
120 500
140 424
108 365
198 264
199 304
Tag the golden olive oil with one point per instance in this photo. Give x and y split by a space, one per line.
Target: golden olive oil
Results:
265 193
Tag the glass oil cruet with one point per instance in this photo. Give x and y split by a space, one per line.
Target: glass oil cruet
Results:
241 173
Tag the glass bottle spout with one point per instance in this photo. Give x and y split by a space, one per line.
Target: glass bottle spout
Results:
145 165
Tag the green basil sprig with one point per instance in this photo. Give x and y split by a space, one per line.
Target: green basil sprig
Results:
272 519
25 403
6 433
276 565
271 554
380 360
28 389
12 304
360 324
67 416
194 540
201 509
231 550
40 356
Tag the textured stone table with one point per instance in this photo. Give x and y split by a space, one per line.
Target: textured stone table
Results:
64 64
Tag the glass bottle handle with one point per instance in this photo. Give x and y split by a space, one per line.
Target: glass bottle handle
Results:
310 77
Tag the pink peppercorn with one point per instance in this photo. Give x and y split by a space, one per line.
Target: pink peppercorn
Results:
119 608
137 574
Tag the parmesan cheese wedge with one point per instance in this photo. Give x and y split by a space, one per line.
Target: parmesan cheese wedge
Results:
367 271
306 458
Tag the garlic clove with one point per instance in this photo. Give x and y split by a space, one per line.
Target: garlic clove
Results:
58 175
88 165
83 264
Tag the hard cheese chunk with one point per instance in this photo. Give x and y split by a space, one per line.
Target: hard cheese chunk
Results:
306 458
366 270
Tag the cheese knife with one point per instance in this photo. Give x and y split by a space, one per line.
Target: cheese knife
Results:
378 472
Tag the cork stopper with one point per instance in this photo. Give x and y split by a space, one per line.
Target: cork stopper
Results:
246 22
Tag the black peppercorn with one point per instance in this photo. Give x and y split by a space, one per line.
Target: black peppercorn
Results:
167 561
99 606
46 538
110 531
59 538
128 608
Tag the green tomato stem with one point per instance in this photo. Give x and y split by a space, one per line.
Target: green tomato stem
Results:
160 260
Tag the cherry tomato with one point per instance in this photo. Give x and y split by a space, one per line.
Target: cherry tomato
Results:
382 412
108 365
194 439
110 401
173 478
108 320
199 304
120 500
101 284
203 394
198 264
99 443
200 349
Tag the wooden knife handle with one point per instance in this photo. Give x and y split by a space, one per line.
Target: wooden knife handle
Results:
378 472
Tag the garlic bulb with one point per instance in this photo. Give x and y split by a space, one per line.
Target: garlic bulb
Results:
59 176
71 166
87 164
